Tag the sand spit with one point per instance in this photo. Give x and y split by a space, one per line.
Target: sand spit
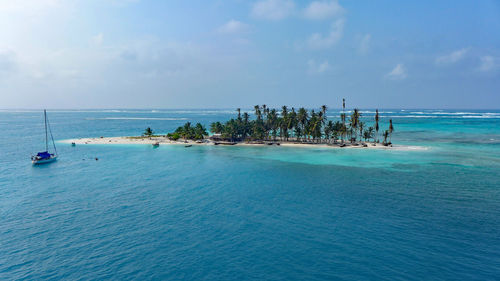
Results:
166 141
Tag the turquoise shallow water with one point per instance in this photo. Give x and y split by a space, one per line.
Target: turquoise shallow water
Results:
247 213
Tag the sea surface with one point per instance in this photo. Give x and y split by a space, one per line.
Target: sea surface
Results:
427 211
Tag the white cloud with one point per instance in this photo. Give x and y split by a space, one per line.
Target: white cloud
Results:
364 44
317 68
98 39
320 10
318 41
233 27
398 72
273 9
452 57
488 63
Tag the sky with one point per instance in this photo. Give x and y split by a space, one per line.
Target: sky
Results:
227 54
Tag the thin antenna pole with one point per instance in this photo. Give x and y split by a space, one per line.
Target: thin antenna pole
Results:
46 136
343 111
343 117
52 137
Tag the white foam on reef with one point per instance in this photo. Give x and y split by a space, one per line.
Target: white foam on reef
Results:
374 112
442 116
463 114
409 148
208 112
482 116
412 116
136 118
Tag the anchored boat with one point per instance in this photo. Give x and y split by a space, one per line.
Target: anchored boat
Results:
45 156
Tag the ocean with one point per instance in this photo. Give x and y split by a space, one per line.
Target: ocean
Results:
427 211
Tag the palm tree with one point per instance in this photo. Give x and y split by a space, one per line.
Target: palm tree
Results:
376 124
386 134
315 126
391 130
239 113
187 131
323 109
318 126
337 130
302 118
216 128
343 132
265 124
272 120
257 111
323 114
246 125
199 131
148 132
292 120
284 123
298 132
328 130
258 126
350 129
368 134
230 130
355 121
361 125
342 117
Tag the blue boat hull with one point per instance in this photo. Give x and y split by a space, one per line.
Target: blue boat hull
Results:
44 161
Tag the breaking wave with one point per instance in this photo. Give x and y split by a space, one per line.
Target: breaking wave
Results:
136 118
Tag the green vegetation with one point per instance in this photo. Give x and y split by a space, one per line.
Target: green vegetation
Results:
148 132
173 136
288 124
188 132
297 125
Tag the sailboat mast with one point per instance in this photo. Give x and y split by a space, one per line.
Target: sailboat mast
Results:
46 136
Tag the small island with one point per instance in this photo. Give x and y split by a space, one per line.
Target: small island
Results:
287 127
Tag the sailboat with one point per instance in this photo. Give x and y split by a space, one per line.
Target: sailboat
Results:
45 156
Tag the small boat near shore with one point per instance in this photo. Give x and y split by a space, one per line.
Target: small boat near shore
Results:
156 144
45 156
189 145
225 143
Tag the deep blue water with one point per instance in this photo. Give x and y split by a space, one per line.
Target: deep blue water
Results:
250 213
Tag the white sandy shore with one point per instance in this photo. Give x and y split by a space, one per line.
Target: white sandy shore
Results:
166 141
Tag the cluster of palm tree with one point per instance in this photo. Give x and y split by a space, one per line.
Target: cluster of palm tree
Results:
188 132
298 125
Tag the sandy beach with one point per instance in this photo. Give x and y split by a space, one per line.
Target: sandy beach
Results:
166 141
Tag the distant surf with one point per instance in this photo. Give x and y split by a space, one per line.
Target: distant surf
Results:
135 118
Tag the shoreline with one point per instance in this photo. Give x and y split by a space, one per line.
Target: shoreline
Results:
166 141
